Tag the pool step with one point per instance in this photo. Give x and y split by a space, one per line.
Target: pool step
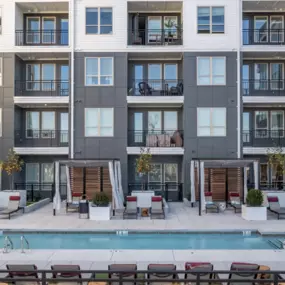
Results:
276 243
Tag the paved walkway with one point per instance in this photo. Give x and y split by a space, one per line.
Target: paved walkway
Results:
181 217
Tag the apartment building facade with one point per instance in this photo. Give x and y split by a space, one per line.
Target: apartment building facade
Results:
191 79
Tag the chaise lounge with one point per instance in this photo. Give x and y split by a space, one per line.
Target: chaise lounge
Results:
235 201
64 273
157 210
274 206
210 205
13 206
23 271
193 268
131 210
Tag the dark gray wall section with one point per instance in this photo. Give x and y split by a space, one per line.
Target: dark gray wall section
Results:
208 96
102 97
7 105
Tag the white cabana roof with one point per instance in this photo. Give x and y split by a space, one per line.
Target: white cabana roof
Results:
226 163
86 163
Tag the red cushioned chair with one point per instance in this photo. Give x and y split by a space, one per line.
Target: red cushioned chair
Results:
235 201
13 206
157 210
131 210
74 204
210 205
193 268
274 206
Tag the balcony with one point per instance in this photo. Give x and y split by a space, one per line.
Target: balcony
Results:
264 138
41 138
42 92
41 38
263 36
158 141
155 37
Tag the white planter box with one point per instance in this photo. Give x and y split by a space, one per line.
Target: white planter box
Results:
100 213
144 198
254 213
5 194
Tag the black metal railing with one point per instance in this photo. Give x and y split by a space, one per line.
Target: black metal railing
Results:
159 275
266 186
39 191
42 88
156 37
156 138
264 138
41 37
160 87
41 138
263 36
263 87
170 191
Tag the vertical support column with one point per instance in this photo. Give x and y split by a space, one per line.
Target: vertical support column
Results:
244 184
84 183
101 179
202 186
56 198
209 179
256 174
192 181
227 187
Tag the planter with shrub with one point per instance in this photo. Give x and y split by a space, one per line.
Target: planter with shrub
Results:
254 209
100 207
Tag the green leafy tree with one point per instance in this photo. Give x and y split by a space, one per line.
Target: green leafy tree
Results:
11 165
143 164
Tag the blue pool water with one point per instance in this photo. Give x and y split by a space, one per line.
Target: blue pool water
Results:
141 241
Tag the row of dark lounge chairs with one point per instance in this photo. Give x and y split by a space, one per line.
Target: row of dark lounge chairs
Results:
241 273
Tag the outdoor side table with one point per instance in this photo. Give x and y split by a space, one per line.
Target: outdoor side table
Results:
83 209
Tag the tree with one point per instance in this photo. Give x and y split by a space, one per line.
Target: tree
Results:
276 158
143 163
11 165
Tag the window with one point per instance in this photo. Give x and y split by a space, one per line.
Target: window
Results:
33 77
261 124
0 20
138 127
47 175
32 173
48 125
1 71
171 175
211 122
154 121
32 124
276 76
1 123
98 71
96 24
211 70
33 27
245 127
170 121
155 174
48 30
277 124
99 122
211 20
261 76
263 174
276 29
48 77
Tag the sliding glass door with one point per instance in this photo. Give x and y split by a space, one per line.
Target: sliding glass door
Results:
154 29
260 29
49 30
33 30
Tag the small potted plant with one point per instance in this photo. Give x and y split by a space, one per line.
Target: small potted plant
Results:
254 209
100 207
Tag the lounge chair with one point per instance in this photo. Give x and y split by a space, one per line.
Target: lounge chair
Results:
157 210
274 206
125 271
131 210
193 268
241 273
161 271
145 89
63 273
23 271
210 205
74 204
235 201
13 206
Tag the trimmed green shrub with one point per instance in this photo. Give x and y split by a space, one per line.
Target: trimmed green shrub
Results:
254 198
100 199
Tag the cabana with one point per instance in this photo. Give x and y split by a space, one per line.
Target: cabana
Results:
201 164
114 167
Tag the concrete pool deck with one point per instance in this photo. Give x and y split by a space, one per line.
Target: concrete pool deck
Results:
181 217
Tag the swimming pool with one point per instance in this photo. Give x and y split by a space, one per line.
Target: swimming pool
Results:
159 241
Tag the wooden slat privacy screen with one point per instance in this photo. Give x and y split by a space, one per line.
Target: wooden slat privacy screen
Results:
217 182
93 180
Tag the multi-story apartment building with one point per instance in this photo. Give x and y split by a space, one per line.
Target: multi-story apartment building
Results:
188 79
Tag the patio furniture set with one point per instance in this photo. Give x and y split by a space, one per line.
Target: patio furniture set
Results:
244 273
146 90
236 204
135 205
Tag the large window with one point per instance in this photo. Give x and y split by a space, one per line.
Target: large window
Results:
211 122
171 175
261 124
32 173
48 125
32 124
155 175
277 124
47 175
211 70
99 21
98 71
245 127
99 122
211 20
